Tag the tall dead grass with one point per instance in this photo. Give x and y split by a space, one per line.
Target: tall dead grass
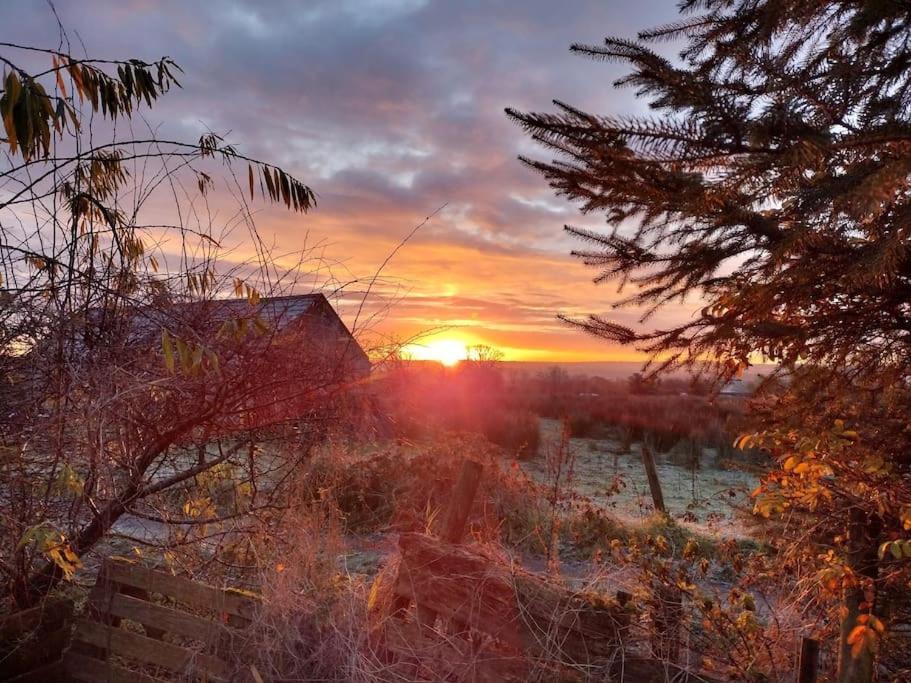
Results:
321 623
314 623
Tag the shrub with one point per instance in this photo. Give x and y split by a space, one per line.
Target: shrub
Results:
517 432
405 486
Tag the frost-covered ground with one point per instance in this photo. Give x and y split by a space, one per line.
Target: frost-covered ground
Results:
710 500
704 499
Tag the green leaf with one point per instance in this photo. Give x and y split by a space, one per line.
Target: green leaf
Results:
69 481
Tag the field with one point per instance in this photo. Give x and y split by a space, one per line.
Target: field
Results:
710 499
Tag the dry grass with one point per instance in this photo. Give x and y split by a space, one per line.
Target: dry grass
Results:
313 625
320 622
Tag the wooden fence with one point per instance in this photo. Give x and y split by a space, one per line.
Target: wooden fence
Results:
526 616
528 626
32 642
523 618
204 624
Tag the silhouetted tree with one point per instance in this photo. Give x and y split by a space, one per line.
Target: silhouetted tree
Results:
117 396
773 183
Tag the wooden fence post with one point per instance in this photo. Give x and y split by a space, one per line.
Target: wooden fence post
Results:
33 640
862 543
457 512
459 509
808 665
654 484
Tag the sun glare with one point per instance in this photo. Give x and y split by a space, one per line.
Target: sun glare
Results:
448 352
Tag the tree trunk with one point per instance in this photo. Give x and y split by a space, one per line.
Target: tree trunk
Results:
43 581
862 545
808 665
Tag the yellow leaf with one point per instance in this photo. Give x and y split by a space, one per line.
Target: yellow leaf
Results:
69 481
168 349
374 596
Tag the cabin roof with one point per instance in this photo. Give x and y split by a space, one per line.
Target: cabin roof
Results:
280 313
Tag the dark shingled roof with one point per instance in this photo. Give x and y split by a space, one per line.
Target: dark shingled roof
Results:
277 311
311 312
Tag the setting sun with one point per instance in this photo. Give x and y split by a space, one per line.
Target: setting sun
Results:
448 352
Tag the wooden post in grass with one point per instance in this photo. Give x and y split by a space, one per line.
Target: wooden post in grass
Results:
654 484
807 667
455 519
460 504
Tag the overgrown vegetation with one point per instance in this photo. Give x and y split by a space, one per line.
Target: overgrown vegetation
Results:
141 415
122 382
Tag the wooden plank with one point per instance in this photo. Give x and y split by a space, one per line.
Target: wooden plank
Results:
165 618
54 671
654 483
147 650
461 501
81 668
34 652
151 630
219 637
515 607
48 615
184 590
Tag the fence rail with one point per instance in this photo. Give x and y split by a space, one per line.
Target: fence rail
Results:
205 624
32 642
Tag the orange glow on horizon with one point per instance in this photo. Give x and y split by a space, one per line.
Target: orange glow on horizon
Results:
448 352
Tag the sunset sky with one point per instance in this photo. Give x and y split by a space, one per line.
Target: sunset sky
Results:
390 109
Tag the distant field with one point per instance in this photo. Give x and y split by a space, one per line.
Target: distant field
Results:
706 499
615 370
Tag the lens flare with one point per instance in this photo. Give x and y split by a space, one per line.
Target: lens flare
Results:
448 352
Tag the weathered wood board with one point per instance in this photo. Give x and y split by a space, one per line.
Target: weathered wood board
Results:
32 641
510 605
186 637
